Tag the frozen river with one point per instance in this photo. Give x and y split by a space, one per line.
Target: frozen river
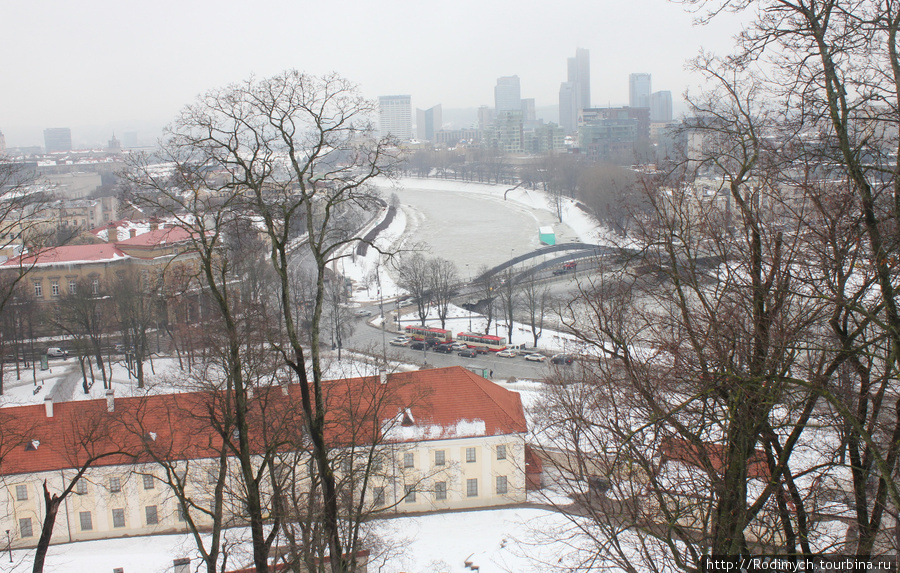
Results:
474 228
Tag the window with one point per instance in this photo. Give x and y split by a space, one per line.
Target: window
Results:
54 288
501 452
409 460
25 529
115 485
471 487
212 476
95 286
149 482
84 519
181 513
470 455
21 493
72 286
502 486
118 517
377 463
440 490
410 493
150 514
181 475
81 487
379 497
439 458
38 289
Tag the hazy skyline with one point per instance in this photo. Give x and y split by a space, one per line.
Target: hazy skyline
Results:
130 67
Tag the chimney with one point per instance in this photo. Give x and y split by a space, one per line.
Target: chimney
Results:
110 400
132 233
154 224
382 376
48 406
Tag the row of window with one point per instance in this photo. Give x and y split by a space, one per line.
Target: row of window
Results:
440 459
501 487
115 484
86 520
54 287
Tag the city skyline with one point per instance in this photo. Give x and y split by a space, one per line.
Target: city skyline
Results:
133 68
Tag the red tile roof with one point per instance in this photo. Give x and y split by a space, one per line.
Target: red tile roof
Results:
676 449
69 254
157 237
177 426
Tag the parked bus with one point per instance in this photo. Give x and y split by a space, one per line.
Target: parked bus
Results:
417 332
482 341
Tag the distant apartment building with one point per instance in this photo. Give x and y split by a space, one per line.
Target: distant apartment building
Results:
639 90
2 144
506 133
454 137
620 135
544 138
485 117
575 92
528 112
508 94
84 214
661 107
57 139
395 116
428 122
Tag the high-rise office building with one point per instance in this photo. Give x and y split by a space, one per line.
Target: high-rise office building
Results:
395 116
528 111
428 122
57 139
508 94
661 106
639 90
575 92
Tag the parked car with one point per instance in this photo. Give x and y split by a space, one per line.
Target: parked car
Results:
508 353
535 357
561 359
444 348
417 345
399 342
459 346
467 353
57 352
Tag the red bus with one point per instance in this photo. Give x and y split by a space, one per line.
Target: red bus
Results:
486 341
417 332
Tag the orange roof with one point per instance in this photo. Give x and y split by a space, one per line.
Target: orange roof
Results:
680 450
178 426
69 254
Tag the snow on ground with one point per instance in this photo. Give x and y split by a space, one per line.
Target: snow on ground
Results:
497 540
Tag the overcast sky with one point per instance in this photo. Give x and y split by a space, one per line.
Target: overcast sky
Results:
102 65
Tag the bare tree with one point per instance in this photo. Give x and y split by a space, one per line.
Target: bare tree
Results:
443 286
414 276
536 302
297 149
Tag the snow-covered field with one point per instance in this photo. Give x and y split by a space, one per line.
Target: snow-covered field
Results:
498 540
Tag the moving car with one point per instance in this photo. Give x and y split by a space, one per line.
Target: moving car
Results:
508 353
561 359
363 312
535 357
57 352
417 345
399 342
467 353
444 348
459 346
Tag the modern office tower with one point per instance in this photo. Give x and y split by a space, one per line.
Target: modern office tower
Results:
575 92
661 106
639 90
528 111
568 108
485 117
2 144
428 122
395 116
57 139
508 94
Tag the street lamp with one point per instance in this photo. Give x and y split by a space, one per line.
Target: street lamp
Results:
9 545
